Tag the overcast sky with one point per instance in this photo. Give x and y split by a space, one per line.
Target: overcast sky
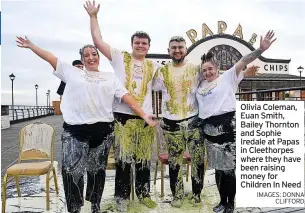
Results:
62 27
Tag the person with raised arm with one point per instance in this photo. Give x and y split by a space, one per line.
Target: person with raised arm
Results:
88 122
217 105
133 138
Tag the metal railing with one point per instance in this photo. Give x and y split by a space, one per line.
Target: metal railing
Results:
281 94
285 94
22 113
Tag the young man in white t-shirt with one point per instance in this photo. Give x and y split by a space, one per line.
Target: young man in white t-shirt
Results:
133 138
178 81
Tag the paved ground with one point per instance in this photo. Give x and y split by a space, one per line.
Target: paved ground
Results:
33 194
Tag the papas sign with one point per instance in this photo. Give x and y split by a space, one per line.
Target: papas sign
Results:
222 26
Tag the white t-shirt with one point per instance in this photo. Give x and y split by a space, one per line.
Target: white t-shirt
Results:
218 97
89 95
136 76
178 86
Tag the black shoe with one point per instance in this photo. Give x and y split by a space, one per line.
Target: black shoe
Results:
95 208
195 200
219 207
229 208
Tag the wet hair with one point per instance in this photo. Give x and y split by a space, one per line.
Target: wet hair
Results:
177 39
209 57
81 51
140 34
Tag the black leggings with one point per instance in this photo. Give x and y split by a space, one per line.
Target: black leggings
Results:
123 184
219 132
177 139
138 133
85 148
226 184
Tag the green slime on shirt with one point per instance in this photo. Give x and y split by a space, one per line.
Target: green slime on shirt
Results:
187 80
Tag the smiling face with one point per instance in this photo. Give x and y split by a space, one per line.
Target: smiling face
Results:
210 71
90 58
140 47
177 51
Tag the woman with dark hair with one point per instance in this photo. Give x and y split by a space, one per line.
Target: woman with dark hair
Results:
217 105
88 127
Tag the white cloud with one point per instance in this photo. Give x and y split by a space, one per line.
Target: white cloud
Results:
62 27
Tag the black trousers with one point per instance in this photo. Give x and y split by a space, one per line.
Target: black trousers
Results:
220 134
123 184
226 184
133 141
85 148
177 138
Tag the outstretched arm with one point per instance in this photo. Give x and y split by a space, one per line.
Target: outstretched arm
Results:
102 46
247 59
45 55
128 99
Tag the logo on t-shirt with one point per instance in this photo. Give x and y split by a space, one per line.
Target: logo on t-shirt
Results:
207 87
96 79
137 78
138 72
204 94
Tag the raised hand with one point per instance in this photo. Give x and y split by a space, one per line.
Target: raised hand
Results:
267 41
251 71
149 120
23 42
45 55
91 9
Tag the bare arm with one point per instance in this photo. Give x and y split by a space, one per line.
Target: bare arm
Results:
128 99
45 55
264 45
102 46
247 59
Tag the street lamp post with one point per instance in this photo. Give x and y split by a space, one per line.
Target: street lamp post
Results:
36 87
47 99
300 70
49 96
12 77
